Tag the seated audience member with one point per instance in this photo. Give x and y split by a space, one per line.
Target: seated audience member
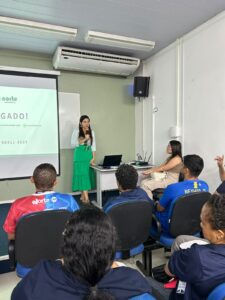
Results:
170 170
86 270
127 178
192 167
220 164
44 179
202 266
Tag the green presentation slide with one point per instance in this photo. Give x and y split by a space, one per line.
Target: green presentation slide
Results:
28 121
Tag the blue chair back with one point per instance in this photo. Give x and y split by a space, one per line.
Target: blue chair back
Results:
218 293
143 297
188 208
132 220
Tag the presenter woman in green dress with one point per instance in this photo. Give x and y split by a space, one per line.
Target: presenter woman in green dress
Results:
83 140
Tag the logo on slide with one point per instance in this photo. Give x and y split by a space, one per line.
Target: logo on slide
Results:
7 99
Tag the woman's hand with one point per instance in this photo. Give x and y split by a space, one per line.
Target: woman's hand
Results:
92 162
87 137
147 172
81 140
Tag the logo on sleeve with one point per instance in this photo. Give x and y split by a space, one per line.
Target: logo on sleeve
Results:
40 201
54 199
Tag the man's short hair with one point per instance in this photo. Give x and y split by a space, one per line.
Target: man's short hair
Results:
194 163
127 177
44 176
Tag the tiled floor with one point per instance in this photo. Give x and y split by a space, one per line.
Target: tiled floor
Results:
9 280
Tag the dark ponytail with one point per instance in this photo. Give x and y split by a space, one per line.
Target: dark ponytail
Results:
97 294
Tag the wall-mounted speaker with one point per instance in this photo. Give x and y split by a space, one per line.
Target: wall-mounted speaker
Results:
141 86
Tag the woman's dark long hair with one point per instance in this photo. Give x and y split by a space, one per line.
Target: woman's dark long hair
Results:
88 248
176 148
81 132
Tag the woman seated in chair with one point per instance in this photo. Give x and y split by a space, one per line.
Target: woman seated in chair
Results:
86 270
166 173
202 266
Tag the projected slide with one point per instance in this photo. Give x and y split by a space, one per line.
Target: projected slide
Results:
26 118
28 124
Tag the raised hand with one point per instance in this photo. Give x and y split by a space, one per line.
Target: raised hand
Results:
220 160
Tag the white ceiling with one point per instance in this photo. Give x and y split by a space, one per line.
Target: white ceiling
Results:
162 21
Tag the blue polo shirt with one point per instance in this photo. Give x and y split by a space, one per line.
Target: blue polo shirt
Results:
202 267
174 191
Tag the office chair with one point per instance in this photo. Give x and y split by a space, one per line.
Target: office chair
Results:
143 297
132 220
157 194
217 293
184 218
38 236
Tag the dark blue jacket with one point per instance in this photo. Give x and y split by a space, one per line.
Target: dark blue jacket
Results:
49 281
202 267
133 195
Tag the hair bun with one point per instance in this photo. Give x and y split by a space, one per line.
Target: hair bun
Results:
94 290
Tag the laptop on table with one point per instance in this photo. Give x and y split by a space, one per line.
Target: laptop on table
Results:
111 161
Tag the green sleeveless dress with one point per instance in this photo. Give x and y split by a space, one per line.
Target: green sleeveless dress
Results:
83 175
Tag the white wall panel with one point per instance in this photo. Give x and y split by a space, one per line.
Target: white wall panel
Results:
161 104
204 95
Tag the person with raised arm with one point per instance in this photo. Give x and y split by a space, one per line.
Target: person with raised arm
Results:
220 164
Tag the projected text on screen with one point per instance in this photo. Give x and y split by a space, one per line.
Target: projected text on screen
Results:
28 123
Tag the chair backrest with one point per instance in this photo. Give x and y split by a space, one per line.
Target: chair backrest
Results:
185 213
143 297
38 236
132 220
218 293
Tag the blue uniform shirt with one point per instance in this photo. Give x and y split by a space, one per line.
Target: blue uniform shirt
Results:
202 267
174 191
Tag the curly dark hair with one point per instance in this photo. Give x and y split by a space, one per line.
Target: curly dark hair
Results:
216 213
44 177
127 177
88 249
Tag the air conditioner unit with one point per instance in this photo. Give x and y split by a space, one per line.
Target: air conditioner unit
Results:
95 62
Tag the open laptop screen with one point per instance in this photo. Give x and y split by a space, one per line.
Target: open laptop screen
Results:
112 160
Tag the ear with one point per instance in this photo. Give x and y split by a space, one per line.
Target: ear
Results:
187 171
55 182
119 186
220 234
32 179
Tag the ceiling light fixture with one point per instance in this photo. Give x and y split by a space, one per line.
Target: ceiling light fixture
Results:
36 29
118 41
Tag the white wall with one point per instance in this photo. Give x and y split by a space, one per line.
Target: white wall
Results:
157 113
188 88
